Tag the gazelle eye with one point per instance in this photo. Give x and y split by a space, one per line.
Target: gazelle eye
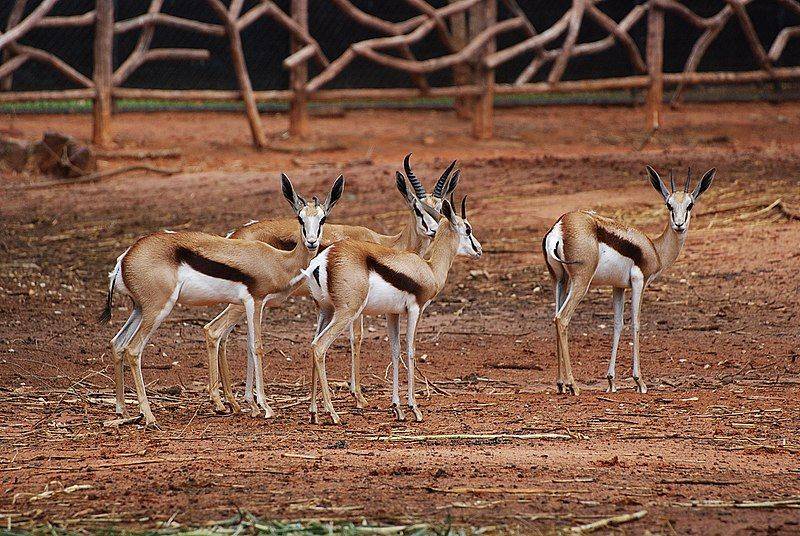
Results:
669 207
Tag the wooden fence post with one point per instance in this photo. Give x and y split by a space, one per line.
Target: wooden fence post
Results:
462 73
103 71
655 65
481 17
298 108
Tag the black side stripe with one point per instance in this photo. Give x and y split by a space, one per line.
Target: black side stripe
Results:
213 268
398 280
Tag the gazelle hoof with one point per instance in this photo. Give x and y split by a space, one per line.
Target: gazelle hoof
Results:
611 387
398 412
572 389
560 388
335 417
220 408
233 406
417 414
640 386
314 417
361 402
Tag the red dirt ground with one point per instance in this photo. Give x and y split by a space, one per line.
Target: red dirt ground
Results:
721 334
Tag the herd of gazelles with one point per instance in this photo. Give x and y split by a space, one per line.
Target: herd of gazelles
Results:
360 271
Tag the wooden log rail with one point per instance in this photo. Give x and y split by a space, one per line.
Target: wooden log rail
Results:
466 29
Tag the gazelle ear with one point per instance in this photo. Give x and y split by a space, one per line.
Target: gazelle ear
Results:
447 210
336 193
705 183
295 200
657 183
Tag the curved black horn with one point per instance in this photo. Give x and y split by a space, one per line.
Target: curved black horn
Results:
671 181
418 188
464 207
438 190
688 181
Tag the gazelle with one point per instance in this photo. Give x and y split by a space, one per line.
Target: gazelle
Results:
169 267
584 249
283 234
352 278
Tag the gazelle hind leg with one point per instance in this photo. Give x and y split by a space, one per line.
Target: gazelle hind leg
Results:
225 373
356 336
577 290
559 288
118 345
637 288
151 320
216 333
619 305
324 317
393 329
411 332
319 349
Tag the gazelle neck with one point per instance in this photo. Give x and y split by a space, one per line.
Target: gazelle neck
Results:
292 262
442 252
408 239
668 245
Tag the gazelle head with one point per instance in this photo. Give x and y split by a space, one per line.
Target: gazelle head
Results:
468 245
425 216
311 215
680 203
440 190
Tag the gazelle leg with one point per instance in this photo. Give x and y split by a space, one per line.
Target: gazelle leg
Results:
149 323
118 345
577 290
323 320
216 334
255 344
411 331
318 350
393 329
637 287
559 301
619 305
225 373
356 336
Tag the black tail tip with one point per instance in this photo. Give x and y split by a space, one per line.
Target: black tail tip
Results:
105 316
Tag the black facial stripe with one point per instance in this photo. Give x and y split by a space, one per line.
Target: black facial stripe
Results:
472 243
421 217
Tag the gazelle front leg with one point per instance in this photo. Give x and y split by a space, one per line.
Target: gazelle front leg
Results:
619 305
356 336
255 346
637 288
393 329
411 331
319 347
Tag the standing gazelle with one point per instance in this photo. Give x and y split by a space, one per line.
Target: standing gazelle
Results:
352 278
415 236
169 267
584 249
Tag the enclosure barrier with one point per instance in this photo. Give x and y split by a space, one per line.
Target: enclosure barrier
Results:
467 29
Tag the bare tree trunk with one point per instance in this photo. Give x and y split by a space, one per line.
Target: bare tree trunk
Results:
655 65
298 110
103 72
481 17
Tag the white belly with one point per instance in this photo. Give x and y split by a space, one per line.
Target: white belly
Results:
200 289
384 298
613 269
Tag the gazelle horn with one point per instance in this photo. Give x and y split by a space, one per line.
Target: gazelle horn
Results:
438 190
418 188
671 181
688 181
464 207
